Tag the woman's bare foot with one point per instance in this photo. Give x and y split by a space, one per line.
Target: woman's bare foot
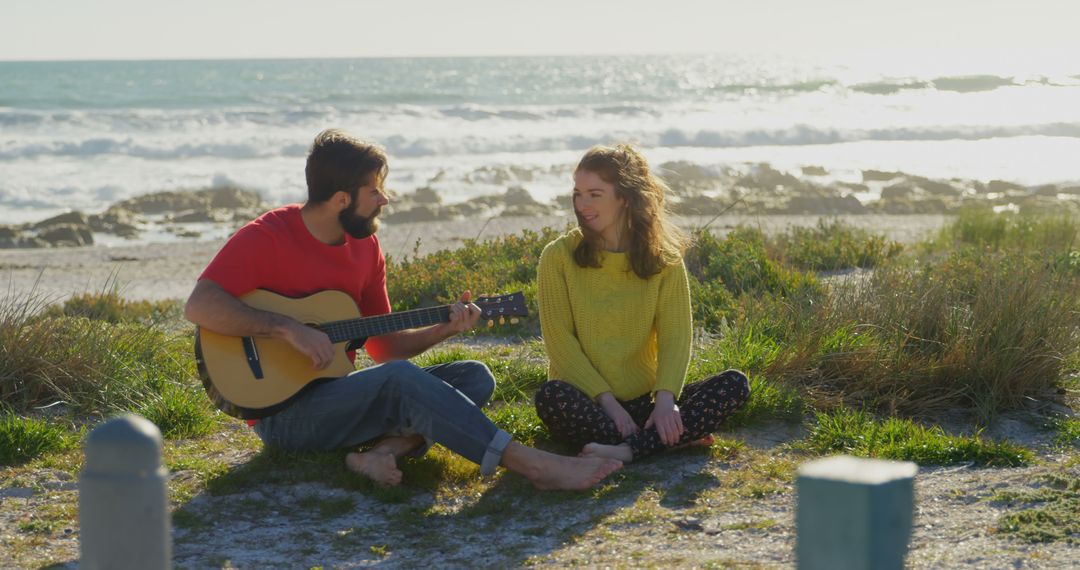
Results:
621 452
547 471
706 441
377 465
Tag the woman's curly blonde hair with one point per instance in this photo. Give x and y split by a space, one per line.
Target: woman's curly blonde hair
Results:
654 243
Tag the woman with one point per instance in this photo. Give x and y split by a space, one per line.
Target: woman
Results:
615 316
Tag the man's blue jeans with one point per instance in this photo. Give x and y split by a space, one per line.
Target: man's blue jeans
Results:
441 403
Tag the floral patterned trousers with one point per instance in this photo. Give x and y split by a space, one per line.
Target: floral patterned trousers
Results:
573 417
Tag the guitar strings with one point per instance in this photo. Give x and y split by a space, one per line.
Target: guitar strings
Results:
349 329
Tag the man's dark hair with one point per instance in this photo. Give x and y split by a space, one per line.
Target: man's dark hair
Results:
339 161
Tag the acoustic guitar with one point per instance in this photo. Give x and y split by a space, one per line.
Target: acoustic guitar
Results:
251 378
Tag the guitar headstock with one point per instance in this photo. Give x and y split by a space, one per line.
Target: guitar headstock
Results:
509 305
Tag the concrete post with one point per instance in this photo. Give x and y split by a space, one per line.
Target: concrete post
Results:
123 500
853 513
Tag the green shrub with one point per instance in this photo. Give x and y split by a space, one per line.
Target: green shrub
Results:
740 262
1050 234
971 331
834 245
111 307
723 271
98 368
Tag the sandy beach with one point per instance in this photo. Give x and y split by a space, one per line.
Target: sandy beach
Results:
155 271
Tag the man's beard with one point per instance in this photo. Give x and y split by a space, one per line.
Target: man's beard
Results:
359 226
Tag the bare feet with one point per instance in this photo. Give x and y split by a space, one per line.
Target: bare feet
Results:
380 462
547 471
377 465
621 452
706 441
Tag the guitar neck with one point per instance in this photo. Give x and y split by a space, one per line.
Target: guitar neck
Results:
352 329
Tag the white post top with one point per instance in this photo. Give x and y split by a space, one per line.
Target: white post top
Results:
858 470
125 444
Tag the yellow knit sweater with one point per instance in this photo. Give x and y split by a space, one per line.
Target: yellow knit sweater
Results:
608 330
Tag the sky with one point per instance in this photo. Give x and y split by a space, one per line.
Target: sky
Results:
212 29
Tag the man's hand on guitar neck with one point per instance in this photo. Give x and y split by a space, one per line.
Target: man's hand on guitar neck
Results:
463 316
406 344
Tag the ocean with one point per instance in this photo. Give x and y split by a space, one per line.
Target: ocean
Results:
82 135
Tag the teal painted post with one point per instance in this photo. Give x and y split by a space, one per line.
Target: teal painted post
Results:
853 513
123 500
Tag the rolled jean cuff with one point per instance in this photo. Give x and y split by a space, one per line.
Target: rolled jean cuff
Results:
493 454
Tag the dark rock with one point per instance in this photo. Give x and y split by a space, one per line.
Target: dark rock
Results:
467 209
115 221
426 195
1004 187
854 187
879 175
518 196
230 197
935 188
699 205
31 242
765 177
686 178
910 206
8 233
824 205
526 210
168 202
1049 190
201 216
814 171
75 218
67 235
245 215
897 191
521 173
422 213
499 174
162 203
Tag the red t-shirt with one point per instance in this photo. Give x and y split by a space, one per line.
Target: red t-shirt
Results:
276 252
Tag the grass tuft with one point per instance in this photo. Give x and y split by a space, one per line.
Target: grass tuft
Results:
23 439
855 432
1052 513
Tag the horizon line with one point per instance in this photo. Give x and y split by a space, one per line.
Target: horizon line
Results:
356 57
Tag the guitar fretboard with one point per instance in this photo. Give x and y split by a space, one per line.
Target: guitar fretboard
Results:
351 329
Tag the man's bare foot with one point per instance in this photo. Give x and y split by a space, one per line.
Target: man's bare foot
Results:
621 452
377 465
547 471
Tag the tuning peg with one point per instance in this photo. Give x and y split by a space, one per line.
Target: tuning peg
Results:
490 323
514 320
502 320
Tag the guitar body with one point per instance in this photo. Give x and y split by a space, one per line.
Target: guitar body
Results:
227 373
251 378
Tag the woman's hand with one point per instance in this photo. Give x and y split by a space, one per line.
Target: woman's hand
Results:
623 422
666 419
